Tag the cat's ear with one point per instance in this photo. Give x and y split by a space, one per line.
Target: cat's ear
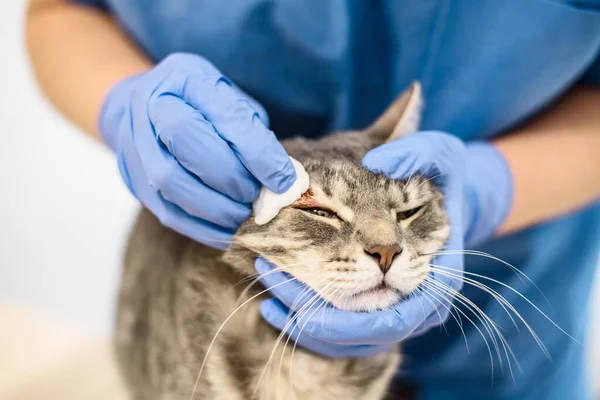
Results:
401 118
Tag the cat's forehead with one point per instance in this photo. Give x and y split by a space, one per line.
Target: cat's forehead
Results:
354 186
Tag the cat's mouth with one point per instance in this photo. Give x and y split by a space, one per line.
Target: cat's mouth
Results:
381 287
377 297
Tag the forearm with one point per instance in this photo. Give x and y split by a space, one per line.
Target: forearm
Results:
555 160
78 53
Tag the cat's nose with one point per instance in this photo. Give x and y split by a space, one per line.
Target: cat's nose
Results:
384 255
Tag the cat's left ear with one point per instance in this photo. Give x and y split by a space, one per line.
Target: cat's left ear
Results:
401 118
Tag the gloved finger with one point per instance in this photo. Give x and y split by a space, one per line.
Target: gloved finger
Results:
169 178
454 203
443 312
168 214
238 124
198 63
430 323
434 154
195 198
355 328
177 186
284 287
275 313
255 105
449 284
397 165
391 325
198 148
417 153
439 317
197 229
332 350
402 158
112 112
448 264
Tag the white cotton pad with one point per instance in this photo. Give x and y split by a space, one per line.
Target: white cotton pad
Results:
268 204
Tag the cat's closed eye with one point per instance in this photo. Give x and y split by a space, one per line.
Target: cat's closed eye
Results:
321 212
402 215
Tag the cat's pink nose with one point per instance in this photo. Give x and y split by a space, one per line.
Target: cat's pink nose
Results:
384 255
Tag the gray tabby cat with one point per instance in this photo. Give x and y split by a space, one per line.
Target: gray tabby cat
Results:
358 239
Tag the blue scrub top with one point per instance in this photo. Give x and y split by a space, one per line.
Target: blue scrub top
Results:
485 67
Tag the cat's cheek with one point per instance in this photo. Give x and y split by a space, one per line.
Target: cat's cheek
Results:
436 241
407 276
367 273
307 266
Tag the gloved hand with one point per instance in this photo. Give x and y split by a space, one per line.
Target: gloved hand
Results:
477 186
191 147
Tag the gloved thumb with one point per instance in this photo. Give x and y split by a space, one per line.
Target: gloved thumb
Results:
114 109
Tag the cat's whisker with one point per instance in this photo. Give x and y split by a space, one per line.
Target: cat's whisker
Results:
503 303
465 301
436 294
444 295
258 277
522 296
326 292
310 302
501 336
277 268
458 321
317 287
291 381
478 253
298 314
487 323
421 290
322 305
450 309
283 332
438 313
499 298
212 342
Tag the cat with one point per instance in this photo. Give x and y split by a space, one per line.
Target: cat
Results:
176 293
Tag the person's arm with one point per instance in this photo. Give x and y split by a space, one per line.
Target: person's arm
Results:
555 160
164 137
78 54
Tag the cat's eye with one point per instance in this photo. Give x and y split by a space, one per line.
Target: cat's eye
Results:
321 212
402 215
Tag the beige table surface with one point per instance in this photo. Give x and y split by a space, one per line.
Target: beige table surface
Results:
43 358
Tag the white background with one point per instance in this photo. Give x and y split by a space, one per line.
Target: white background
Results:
64 213
63 210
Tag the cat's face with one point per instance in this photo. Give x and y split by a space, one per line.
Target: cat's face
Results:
360 240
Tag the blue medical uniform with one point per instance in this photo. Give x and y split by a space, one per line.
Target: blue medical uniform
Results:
486 66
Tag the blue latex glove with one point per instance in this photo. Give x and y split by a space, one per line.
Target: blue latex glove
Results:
191 147
477 186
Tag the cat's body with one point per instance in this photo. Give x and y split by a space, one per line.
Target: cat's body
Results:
177 293
176 296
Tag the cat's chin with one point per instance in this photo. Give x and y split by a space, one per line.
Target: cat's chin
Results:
376 299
